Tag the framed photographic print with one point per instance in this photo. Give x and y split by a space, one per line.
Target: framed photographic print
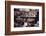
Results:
24 17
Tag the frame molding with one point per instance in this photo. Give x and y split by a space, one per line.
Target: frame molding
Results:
7 17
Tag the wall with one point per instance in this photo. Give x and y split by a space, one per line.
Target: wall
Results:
2 18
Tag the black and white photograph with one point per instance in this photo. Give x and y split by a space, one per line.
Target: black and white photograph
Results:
24 17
